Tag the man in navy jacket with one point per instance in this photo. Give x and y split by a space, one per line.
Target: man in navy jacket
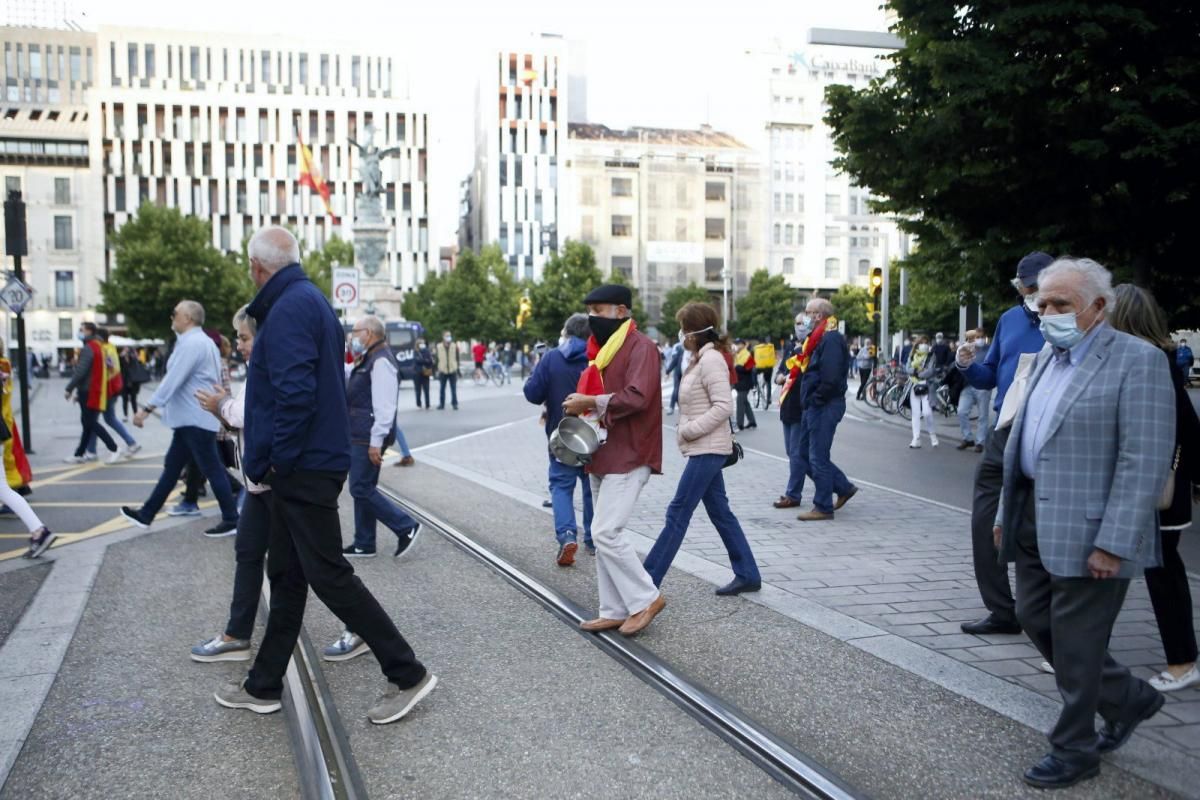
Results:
556 376
297 438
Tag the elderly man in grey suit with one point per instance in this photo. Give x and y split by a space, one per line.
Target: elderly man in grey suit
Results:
1083 469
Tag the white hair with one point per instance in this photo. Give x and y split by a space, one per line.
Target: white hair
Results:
1090 279
373 326
821 306
194 310
274 247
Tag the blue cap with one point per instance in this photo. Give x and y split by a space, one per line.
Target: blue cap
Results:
1029 267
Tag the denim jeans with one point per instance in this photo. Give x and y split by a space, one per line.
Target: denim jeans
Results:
401 442
797 466
110 418
201 446
817 427
250 551
369 503
701 481
305 549
89 419
982 399
562 497
452 378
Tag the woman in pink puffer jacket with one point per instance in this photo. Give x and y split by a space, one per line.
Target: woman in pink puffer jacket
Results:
705 438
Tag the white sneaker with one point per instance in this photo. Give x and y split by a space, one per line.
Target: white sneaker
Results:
74 460
1166 682
933 440
1046 667
90 457
115 457
132 450
915 444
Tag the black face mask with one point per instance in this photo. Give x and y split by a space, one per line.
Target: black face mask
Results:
603 327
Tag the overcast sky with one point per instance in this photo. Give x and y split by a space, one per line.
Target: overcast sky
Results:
666 63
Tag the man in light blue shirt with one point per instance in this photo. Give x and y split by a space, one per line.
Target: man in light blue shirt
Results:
195 365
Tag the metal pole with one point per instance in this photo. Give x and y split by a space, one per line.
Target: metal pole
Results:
884 341
962 316
23 364
978 310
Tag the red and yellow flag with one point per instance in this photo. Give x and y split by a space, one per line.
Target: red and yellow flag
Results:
310 175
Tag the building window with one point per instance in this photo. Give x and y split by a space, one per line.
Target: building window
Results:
12 183
266 66
622 187
789 265
852 205
622 225
789 173
681 229
150 71
864 267
355 71
304 69
776 235
778 203
713 267
587 228
800 203
714 228
76 70
714 190
62 191
62 233
133 60
587 191
66 328
789 203
833 204
799 234
788 233
64 290
623 265
652 227
833 269
324 70
831 237
681 194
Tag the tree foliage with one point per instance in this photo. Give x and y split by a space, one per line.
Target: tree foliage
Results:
850 306
318 264
638 312
767 310
162 257
477 300
1065 125
566 280
676 299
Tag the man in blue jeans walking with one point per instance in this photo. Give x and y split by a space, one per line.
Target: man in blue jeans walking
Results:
194 366
823 395
555 377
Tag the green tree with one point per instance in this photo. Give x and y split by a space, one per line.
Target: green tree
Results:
1063 125
674 300
421 306
478 299
162 257
566 280
767 310
318 264
850 306
638 312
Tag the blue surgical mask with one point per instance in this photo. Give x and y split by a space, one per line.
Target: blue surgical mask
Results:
1062 330
803 329
357 347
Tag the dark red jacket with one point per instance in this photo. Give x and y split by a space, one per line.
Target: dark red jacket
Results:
634 415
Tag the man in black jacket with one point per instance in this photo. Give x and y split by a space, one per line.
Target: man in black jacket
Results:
823 394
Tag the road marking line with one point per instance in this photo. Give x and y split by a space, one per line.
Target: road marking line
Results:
473 434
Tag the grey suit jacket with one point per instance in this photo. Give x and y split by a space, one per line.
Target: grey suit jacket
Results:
1105 461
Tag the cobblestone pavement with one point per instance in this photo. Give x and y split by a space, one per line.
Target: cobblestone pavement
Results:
892 561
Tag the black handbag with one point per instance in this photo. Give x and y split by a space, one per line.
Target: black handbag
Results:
920 389
737 454
229 453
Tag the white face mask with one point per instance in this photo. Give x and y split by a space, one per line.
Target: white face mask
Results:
924 348
697 333
1031 302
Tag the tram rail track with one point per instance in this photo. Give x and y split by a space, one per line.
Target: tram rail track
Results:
752 739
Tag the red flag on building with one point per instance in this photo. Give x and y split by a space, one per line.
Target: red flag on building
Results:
310 175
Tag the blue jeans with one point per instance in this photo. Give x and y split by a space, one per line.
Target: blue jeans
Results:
562 497
369 503
701 481
201 446
817 427
110 417
401 442
797 466
981 398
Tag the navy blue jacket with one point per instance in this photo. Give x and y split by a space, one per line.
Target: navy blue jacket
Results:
555 377
825 379
296 388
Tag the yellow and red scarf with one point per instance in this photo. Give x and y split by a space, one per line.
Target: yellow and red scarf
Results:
797 365
591 382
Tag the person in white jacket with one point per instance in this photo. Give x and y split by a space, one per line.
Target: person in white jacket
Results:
254 524
705 438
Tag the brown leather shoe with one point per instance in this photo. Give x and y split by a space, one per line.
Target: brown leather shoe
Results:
407 461
601 624
785 502
842 499
640 620
813 515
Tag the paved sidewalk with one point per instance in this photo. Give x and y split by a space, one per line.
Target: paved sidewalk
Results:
894 562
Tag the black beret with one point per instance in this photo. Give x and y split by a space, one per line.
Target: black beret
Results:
613 293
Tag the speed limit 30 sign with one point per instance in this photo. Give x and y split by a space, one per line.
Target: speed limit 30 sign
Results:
345 287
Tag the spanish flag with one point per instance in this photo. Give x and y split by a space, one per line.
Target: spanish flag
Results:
310 175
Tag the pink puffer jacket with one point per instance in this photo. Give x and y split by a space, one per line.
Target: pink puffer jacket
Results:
705 405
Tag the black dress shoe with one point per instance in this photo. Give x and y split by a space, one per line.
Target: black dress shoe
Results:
737 586
547 504
1053 773
1115 734
990 624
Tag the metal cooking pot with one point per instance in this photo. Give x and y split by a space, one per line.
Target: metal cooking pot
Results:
574 442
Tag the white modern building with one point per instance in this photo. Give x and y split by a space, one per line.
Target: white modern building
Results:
666 208
819 230
209 124
44 154
522 103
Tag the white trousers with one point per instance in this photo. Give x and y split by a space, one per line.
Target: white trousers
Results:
624 585
920 409
14 501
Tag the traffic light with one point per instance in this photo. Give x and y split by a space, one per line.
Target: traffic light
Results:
871 309
877 282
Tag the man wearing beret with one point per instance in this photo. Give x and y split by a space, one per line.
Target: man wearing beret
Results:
621 389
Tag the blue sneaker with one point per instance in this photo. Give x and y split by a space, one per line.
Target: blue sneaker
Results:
345 648
184 509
